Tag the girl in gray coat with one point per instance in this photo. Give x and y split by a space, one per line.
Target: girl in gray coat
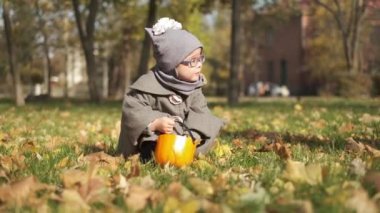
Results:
170 91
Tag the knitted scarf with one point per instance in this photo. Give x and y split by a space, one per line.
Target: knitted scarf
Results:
182 87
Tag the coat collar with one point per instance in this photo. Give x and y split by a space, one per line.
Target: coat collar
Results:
149 84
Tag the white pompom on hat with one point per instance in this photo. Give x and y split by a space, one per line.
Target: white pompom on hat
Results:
171 44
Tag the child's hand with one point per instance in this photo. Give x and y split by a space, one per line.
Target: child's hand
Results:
163 124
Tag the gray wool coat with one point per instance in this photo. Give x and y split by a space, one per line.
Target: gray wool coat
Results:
148 100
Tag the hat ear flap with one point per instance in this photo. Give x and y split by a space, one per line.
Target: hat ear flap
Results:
150 32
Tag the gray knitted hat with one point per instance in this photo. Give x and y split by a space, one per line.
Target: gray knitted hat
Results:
171 44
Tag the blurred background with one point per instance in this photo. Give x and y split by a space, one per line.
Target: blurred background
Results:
94 49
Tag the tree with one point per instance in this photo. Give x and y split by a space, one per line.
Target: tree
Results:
45 44
86 35
233 91
348 16
16 80
144 58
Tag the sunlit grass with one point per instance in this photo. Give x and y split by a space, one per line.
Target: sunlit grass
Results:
47 139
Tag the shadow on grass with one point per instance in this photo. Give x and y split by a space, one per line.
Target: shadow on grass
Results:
93 148
312 141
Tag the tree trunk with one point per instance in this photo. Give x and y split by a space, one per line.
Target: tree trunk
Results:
348 24
45 46
17 84
87 40
233 84
145 52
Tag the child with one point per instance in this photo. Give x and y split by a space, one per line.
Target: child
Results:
170 92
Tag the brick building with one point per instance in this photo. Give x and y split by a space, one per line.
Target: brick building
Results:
282 52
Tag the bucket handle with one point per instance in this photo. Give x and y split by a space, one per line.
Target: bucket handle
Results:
180 122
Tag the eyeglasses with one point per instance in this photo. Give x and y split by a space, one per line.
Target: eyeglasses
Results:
194 61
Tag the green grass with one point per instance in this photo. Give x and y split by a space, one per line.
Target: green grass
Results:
45 140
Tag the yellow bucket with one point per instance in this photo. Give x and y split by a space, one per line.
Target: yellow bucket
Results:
177 150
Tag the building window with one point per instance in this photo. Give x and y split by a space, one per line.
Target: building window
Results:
269 37
270 71
284 72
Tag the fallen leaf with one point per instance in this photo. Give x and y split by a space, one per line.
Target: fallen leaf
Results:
367 118
62 163
346 127
374 152
282 150
298 107
171 204
104 160
176 189
189 206
373 178
238 143
360 202
201 187
137 197
222 150
202 164
297 172
120 182
101 146
358 167
91 187
354 147
71 200
4 175
22 192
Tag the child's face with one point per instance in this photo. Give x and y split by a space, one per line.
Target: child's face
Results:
190 71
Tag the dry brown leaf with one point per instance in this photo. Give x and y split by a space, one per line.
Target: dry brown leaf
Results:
360 202
367 118
3 175
176 189
73 178
201 187
374 152
62 163
319 124
238 143
92 188
28 146
354 147
71 200
137 197
4 137
133 164
373 178
103 159
282 150
22 192
120 182
101 146
358 167
346 127
12 163
297 172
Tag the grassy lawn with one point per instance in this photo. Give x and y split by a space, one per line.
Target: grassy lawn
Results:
275 155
